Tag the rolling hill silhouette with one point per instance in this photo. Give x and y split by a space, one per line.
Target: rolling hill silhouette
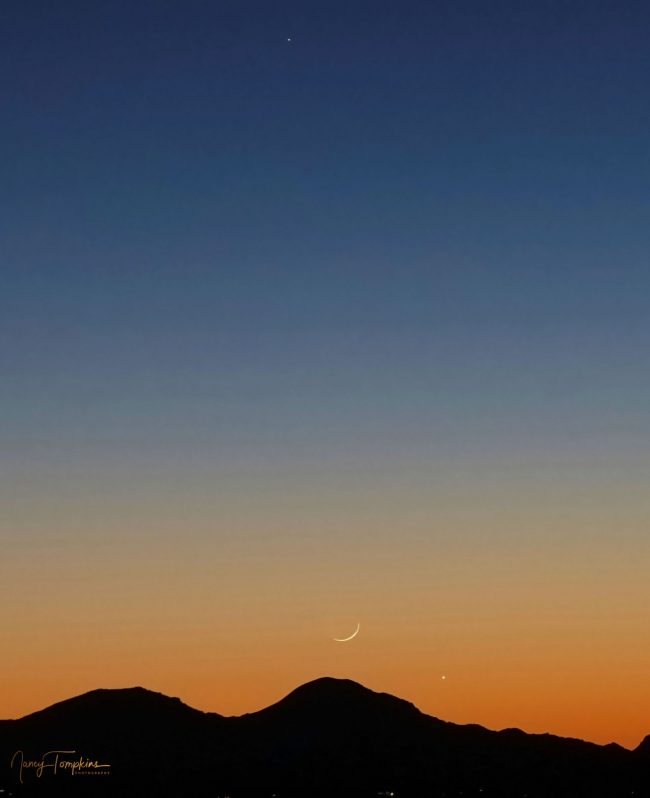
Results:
327 737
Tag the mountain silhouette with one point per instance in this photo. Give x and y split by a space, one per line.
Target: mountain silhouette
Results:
327 737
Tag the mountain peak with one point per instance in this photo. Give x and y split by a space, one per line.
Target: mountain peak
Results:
327 696
331 685
116 703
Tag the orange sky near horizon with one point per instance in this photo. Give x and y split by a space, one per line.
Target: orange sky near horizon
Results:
570 701
230 605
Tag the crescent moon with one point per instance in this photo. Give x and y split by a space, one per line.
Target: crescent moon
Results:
345 639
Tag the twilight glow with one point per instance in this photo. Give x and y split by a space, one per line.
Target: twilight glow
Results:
325 314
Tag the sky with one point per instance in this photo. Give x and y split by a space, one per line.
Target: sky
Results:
316 314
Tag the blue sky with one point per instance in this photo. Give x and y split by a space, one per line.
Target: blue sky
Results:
396 194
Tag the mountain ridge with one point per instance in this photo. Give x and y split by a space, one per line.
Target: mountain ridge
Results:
327 736
298 692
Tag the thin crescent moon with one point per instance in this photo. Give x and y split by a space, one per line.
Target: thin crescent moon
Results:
345 639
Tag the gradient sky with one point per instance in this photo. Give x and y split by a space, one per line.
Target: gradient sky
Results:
347 328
